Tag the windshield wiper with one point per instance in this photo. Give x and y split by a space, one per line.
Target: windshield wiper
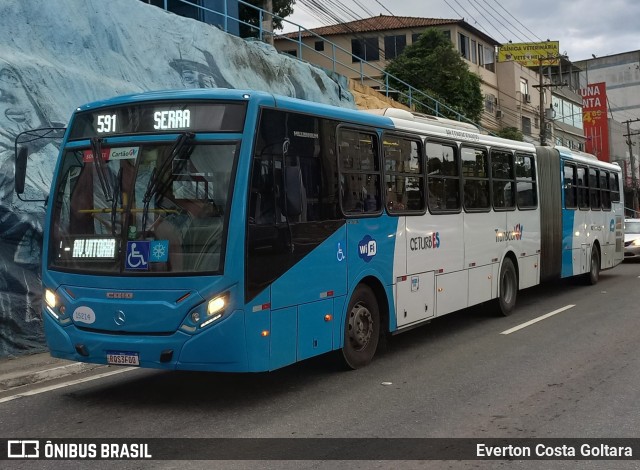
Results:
180 148
96 150
114 203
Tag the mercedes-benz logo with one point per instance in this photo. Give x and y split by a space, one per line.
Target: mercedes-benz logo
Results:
119 318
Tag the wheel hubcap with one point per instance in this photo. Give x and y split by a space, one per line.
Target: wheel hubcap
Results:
507 288
360 326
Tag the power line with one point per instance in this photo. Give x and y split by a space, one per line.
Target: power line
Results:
508 27
454 10
518 21
506 20
368 12
386 9
489 22
470 16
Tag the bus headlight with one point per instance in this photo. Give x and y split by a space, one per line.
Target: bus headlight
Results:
216 305
636 242
50 298
55 307
215 309
206 314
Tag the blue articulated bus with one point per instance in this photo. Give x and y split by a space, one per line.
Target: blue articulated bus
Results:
228 230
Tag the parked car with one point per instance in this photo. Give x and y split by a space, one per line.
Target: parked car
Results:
631 238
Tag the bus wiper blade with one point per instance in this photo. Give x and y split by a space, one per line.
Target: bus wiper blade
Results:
175 151
114 203
96 150
179 148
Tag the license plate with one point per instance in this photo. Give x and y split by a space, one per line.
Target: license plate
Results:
122 358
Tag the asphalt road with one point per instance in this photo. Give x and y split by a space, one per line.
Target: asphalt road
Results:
573 374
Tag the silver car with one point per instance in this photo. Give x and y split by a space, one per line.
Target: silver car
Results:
631 238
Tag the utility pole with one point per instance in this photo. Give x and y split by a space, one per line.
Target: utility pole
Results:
543 124
267 21
542 86
632 164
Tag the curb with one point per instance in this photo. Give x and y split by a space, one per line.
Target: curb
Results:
19 379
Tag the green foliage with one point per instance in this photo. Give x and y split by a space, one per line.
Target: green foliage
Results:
281 8
512 133
433 66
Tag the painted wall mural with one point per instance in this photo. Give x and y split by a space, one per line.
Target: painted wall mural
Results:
55 56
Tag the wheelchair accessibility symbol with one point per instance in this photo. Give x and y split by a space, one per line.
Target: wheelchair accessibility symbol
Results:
137 255
340 256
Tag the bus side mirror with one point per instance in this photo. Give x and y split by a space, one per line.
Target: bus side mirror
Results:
21 169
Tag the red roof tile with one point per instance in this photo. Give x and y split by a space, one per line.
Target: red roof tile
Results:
375 23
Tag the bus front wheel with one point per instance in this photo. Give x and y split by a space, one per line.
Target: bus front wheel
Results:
508 287
361 329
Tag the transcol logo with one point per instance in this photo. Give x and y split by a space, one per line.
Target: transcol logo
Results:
367 248
510 235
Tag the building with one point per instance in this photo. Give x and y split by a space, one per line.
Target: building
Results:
361 49
518 103
208 11
621 75
565 112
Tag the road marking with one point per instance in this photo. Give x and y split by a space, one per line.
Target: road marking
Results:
65 384
536 320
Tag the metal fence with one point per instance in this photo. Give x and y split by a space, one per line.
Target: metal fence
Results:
387 84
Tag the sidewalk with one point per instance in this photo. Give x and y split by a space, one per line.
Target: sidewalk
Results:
33 368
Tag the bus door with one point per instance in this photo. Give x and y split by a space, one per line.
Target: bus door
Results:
297 244
581 245
436 241
485 229
415 238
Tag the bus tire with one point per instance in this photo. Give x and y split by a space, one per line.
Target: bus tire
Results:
508 285
361 329
594 268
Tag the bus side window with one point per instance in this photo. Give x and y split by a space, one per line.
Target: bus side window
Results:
614 187
583 188
570 189
475 176
261 203
360 175
403 175
526 182
605 194
502 179
443 177
594 190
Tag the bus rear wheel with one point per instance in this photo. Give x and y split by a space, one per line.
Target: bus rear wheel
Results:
594 270
361 329
508 287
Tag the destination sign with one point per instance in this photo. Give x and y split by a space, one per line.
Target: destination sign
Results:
88 248
171 116
94 248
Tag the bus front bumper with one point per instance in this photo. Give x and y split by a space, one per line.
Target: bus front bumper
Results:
220 348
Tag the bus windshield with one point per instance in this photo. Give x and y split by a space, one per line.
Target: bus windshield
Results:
143 209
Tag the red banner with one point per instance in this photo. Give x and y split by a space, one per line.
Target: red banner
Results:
594 119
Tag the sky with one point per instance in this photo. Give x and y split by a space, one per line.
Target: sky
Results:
583 27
